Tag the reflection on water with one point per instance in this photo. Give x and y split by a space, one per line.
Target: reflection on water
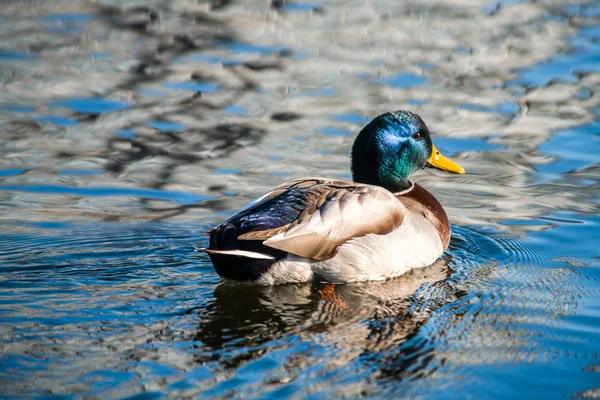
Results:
128 130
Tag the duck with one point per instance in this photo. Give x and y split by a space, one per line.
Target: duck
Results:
378 226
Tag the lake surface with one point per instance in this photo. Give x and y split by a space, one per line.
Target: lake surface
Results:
129 130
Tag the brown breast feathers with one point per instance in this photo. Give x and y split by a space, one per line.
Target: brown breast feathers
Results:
420 200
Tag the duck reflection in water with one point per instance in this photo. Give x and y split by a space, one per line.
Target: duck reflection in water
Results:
242 322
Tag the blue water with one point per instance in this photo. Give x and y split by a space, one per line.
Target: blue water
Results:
9 55
166 126
352 118
300 7
326 130
205 87
91 105
574 148
143 193
114 167
404 80
437 336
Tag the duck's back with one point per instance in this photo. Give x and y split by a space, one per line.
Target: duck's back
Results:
307 218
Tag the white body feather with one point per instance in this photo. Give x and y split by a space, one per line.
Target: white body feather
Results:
414 244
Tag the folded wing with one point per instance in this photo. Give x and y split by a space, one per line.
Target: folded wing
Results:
312 217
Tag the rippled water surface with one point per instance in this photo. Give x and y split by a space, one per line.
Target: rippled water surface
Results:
131 128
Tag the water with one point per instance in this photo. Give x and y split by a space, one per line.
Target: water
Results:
130 130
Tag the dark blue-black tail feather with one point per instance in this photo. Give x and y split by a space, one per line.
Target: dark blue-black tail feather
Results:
239 268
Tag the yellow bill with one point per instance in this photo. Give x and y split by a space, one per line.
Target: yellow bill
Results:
440 162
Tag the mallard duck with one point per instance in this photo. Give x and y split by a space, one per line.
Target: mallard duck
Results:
379 226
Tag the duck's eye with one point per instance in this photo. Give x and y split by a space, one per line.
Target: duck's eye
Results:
417 136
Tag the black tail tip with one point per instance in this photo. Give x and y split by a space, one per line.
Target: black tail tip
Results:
241 269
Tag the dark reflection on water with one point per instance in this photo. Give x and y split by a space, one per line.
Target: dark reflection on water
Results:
128 130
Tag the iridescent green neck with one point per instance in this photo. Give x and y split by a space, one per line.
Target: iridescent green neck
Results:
373 166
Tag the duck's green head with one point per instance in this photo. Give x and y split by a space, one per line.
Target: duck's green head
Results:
393 146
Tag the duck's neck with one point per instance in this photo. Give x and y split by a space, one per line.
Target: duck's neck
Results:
399 186
392 183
